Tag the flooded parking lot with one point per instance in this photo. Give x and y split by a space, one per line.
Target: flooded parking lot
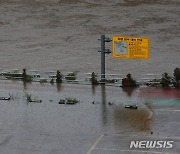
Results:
44 35
50 127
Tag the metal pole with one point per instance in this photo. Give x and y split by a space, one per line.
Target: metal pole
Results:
102 58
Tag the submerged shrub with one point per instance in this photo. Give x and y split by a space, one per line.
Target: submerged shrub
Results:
25 77
165 80
43 81
129 81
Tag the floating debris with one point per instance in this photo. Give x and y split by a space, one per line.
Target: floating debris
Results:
109 103
30 100
69 101
35 101
5 98
95 102
62 101
131 106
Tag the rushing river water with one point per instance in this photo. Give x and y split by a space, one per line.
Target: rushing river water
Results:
48 35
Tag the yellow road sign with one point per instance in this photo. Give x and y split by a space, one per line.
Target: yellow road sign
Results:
130 47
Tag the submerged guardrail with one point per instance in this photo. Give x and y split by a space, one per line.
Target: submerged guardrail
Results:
73 77
77 77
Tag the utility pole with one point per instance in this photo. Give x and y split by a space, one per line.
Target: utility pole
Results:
103 51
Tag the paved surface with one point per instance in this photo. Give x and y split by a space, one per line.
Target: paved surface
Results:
94 126
120 142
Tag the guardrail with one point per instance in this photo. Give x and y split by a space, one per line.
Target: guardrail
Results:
78 77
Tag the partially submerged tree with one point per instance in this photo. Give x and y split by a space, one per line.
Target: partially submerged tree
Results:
58 77
177 77
94 79
24 73
177 74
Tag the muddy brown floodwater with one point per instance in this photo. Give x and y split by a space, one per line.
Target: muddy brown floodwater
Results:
48 127
49 35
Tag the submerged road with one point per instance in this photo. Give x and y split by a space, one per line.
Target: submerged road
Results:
98 124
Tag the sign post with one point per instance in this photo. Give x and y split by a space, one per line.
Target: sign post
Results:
123 47
130 47
102 58
103 52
